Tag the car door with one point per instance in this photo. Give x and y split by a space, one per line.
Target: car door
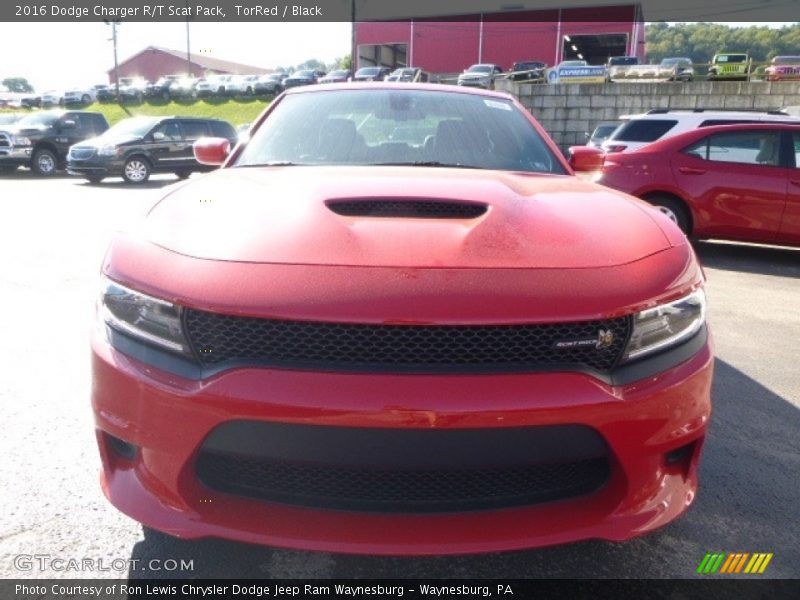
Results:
790 223
70 129
167 146
193 130
736 184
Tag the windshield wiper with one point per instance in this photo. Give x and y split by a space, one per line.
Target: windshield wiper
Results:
425 163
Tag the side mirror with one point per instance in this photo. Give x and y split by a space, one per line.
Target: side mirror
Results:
159 136
211 150
68 124
583 159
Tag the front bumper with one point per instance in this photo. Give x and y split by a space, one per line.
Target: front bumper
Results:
155 479
96 166
15 155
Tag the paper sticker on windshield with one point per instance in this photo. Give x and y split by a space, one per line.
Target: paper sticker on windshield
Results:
496 104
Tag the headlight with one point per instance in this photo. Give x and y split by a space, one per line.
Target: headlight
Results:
666 325
143 317
109 150
18 140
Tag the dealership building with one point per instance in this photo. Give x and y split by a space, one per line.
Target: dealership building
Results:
450 43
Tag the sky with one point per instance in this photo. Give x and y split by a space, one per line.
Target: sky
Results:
83 52
90 52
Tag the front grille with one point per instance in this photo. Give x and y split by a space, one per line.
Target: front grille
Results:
81 153
218 339
426 209
403 470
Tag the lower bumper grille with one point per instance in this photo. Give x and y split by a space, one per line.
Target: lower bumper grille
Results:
362 476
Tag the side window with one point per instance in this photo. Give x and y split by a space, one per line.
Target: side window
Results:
194 130
99 124
796 146
698 149
171 131
222 129
743 147
80 124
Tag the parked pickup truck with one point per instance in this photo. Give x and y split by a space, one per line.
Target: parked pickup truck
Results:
730 66
41 140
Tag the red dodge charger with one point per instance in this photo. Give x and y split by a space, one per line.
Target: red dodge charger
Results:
395 322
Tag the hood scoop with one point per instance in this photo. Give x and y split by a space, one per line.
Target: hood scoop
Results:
411 208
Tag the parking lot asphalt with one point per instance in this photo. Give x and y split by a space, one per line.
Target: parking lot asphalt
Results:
53 234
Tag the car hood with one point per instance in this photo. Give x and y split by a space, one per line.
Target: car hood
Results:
474 75
112 140
283 215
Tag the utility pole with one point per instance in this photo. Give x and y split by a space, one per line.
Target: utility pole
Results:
188 53
114 23
353 47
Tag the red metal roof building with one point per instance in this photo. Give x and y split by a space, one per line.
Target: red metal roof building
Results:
450 44
154 62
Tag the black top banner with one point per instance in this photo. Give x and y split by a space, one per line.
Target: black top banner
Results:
434 589
376 10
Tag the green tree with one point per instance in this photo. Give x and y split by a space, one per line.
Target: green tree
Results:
18 84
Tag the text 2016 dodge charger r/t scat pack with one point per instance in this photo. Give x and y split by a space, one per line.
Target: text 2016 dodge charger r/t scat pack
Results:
446 344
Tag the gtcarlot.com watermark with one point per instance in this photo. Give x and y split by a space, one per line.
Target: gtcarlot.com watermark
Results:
48 562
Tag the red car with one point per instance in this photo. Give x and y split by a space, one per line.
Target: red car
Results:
737 182
394 322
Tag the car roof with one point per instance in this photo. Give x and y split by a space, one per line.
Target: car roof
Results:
377 85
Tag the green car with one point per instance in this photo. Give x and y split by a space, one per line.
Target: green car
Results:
729 66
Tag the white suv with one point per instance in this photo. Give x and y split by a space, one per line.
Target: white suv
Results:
639 130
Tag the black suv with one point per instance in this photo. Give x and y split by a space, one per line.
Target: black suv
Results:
135 148
41 140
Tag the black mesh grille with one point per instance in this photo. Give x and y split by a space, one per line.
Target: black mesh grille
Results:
218 339
400 490
426 209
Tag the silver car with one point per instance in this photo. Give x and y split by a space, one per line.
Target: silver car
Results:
481 75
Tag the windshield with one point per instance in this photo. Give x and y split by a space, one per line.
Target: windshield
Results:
368 72
341 73
135 126
480 69
786 60
731 58
303 74
402 127
671 62
623 61
34 120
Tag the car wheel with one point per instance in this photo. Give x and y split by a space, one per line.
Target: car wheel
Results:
183 173
674 209
44 163
86 99
136 170
94 180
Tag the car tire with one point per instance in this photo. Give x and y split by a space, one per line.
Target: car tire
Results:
44 163
674 209
183 174
136 170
